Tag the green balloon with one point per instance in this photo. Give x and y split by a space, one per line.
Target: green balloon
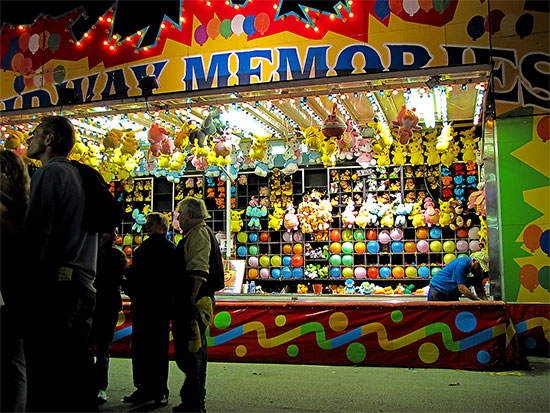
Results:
335 260
59 74
253 250
225 28
347 260
54 41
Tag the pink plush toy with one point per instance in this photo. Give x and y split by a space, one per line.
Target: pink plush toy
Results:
156 135
291 220
431 213
348 216
364 150
407 121
333 125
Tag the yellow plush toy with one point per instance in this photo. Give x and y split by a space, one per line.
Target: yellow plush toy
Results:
469 145
445 212
236 220
415 150
399 153
276 219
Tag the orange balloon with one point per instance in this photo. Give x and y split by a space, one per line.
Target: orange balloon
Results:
17 62
253 273
421 233
425 5
529 277
298 249
261 23
410 246
213 28
48 74
360 247
287 249
28 81
26 67
531 237
43 40
335 248
396 6
397 272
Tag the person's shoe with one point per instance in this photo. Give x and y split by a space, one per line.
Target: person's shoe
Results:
162 400
187 408
101 397
138 397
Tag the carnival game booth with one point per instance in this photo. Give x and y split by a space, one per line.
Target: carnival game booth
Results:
335 198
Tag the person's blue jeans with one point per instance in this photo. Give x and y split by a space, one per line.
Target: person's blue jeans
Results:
436 295
103 329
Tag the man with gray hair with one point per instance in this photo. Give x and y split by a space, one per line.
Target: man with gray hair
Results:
193 300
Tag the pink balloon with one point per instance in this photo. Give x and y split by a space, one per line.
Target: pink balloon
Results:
461 246
423 245
264 273
384 237
396 234
474 246
253 261
360 273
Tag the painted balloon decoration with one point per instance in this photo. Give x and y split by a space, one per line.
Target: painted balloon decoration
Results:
543 128
225 28
544 277
476 27
531 237
213 28
544 242
382 9
262 22
493 21
248 25
411 7
524 25
237 24
201 34
529 277
441 5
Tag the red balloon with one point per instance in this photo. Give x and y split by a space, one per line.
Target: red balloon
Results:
128 262
297 260
127 250
531 237
529 277
543 128
492 23
372 272
371 235
264 237
118 240
335 235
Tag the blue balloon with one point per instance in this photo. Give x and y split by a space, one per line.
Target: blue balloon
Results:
476 27
385 272
287 260
335 272
276 273
382 9
13 46
248 25
286 272
298 273
397 246
373 247
253 237
544 242
423 272
6 60
241 251
19 84
435 233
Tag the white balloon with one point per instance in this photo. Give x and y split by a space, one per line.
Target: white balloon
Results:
33 43
411 6
38 81
237 24
508 25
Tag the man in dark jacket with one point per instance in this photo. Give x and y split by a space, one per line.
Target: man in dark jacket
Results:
148 287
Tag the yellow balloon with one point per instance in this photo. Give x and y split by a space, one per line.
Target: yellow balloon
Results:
448 258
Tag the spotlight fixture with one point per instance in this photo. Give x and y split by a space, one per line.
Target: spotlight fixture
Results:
433 81
147 84
67 96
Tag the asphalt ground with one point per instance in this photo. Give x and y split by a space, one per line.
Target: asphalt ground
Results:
243 387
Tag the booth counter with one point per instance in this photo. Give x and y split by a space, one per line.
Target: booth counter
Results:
369 331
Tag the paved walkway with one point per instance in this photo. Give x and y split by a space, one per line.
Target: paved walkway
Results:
237 387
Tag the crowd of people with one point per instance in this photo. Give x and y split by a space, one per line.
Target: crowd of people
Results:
61 290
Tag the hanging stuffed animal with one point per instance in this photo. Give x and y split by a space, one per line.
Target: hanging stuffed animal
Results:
199 157
365 156
469 145
444 140
415 150
276 220
255 212
156 136
313 138
292 155
431 213
290 220
348 216
113 139
347 144
333 126
236 223
399 154
329 148
210 126
407 120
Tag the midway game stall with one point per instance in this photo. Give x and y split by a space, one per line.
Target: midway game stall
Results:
346 150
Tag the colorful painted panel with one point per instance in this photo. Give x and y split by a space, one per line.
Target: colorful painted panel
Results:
462 335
